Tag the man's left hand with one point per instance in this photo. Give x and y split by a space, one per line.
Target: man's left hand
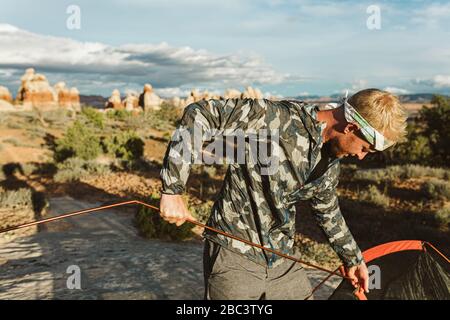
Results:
359 276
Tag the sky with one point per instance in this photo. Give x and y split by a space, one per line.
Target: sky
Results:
284 47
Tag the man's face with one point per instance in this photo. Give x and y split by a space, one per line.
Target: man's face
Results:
350 142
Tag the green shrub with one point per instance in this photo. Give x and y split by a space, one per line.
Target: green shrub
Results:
373 175
75 169
56 118
94 117
126 145
443 216
415 150
437 128
12 141
16 198
164 119
428 138
201 212
120 115
373 196
316 253
152 226
79 141
403 172
436 189
28 168
416 171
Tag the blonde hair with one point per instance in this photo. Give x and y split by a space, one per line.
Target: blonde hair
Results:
383 111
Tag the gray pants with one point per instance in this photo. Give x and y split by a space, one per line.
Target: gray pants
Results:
232 276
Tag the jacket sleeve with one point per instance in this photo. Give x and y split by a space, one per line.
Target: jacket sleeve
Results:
201 122
329 217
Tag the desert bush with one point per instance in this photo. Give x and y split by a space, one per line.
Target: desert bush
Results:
316 253
416 171
373 175
75 169
402 172
428 138
28 168
151 225
36 132
119 115
443 216
79 141
373 196
436 189
56 117
437 128
125 145
16 125
94 117
12 141
165 119
201 211
15 198
415 150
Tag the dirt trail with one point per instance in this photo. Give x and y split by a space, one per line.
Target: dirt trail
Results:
114 262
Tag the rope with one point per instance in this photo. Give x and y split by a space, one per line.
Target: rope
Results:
440 253
80 212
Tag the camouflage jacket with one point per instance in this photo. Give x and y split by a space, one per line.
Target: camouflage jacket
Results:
260 207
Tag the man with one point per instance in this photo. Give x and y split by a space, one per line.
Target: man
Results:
258 205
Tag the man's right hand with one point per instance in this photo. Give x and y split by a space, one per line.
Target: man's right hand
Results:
173 210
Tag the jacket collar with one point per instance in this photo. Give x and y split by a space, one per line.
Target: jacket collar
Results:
314 127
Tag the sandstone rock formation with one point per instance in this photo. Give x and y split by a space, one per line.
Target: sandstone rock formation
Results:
131 101
196 95
252 93
6 106
36 91
68 98
178 102
149 100
114 101
232 94
5 94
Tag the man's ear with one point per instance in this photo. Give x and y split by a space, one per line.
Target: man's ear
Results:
351 127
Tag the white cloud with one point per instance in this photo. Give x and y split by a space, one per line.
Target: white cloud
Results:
359 85
432 15
395 90
172 92
162 65
438 81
